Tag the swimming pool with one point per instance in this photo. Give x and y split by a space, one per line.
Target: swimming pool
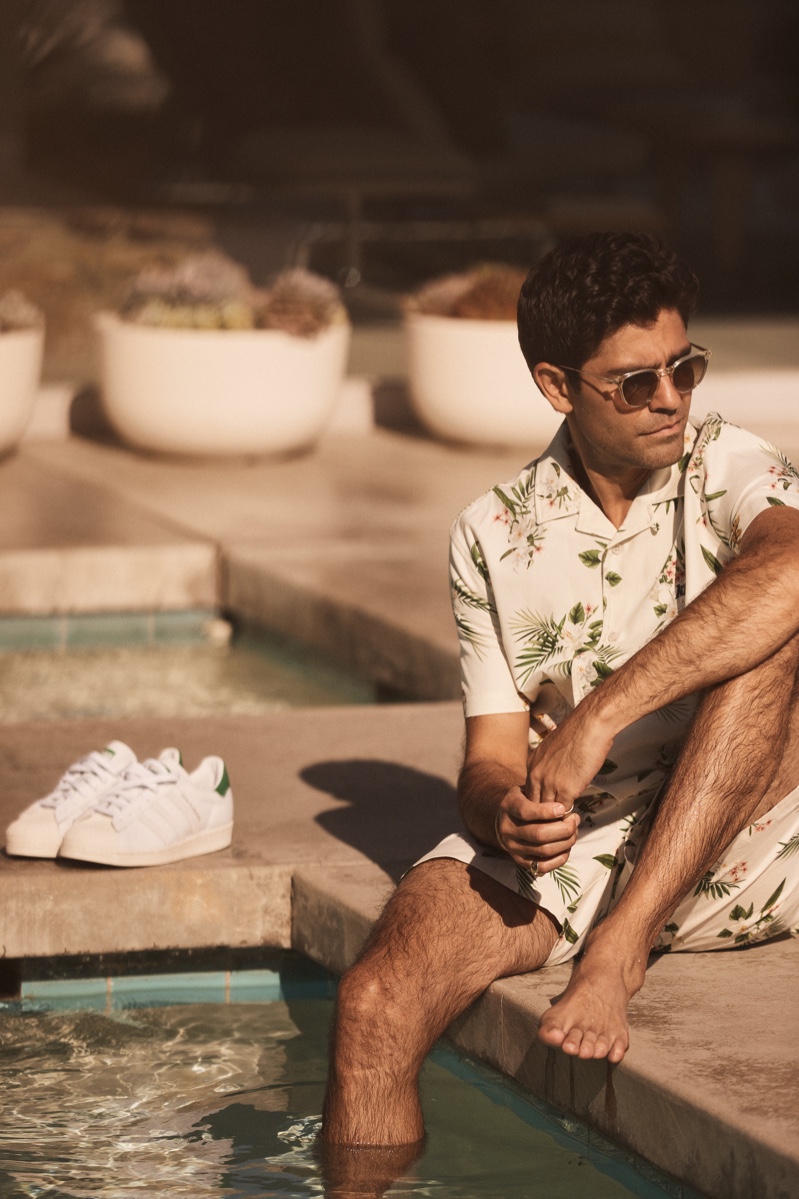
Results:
211 1083
167 670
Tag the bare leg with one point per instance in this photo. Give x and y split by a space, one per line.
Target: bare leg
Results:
740 758
444 937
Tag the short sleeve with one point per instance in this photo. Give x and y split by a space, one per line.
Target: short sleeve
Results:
739 476
487 682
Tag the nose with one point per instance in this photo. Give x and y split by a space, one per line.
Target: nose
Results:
666 398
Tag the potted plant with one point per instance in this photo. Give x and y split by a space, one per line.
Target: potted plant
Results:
469 381
198 361
21 348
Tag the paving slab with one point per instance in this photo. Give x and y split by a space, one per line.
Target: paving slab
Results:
72 545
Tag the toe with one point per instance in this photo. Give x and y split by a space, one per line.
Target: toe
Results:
601 1047
572 1042
587 1044
551 1034
618 1049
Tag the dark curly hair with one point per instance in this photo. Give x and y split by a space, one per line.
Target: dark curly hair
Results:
590 286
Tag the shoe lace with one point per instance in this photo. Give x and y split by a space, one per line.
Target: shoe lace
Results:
83 778
140 782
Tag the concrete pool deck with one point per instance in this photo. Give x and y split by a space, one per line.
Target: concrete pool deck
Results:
345 549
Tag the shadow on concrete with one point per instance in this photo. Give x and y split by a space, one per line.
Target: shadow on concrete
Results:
395 813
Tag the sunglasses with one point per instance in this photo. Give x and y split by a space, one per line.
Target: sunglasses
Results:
638 388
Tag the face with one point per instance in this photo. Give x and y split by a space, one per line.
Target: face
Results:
612 438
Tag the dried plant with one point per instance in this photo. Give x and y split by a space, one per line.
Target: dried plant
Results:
17 312
301 303
211 291
488 292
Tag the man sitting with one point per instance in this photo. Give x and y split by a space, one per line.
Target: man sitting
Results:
628 608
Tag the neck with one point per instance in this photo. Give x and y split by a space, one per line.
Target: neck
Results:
613 493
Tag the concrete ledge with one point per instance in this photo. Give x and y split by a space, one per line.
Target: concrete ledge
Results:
712 1110
71 910
277 593
100 579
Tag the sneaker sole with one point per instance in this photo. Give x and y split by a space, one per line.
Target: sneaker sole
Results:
194 847
17 848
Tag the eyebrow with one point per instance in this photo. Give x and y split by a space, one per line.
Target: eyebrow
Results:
625 370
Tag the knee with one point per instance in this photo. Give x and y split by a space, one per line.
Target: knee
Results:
364 999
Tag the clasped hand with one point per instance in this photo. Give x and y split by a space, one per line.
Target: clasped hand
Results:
535 823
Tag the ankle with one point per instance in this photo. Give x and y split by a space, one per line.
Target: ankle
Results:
618 952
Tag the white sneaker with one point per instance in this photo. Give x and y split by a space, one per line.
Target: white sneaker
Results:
39 830
157 813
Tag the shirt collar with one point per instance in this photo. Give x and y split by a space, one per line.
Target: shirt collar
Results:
557 492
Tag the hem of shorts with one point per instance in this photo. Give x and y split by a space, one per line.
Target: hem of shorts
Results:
471 866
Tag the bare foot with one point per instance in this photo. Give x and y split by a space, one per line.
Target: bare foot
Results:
590 1018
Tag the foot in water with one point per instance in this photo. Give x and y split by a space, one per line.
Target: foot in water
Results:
590 1018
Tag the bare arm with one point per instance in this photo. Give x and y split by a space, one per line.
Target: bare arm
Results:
744 617
491 795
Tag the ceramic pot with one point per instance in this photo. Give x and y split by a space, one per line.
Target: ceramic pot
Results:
211 391
470 383
20 369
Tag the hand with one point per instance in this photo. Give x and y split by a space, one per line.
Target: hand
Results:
568 758
535 834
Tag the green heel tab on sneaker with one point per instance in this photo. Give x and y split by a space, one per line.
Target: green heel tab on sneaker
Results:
223 785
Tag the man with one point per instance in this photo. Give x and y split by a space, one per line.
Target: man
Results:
628 609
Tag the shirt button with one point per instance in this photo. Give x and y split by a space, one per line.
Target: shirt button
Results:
616 549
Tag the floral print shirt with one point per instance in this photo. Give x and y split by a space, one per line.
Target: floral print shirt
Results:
550 598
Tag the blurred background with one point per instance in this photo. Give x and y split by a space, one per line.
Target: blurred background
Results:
384 141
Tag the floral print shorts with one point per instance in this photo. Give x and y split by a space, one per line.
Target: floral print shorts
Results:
750 894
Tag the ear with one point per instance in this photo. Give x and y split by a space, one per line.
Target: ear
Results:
551 381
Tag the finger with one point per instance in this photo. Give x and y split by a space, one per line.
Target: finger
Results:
535 836
546 866
539 851
532 811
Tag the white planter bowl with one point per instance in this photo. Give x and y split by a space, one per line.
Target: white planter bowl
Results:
209 391
20 368
470 383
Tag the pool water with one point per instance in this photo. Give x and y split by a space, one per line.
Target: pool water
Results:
223 1099
254 674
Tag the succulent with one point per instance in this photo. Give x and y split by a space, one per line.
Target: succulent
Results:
211 291
17 312
301 303
488 292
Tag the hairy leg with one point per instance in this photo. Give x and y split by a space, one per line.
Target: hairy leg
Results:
740 758
446 934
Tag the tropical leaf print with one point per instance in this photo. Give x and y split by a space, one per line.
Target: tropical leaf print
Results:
544 636
469 633
775 503
569 933
712 561
612 579
608 860
714 890
789 848
745 930
567 880
476 555
591 558
469 598
785 473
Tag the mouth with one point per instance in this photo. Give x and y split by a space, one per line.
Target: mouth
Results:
666 430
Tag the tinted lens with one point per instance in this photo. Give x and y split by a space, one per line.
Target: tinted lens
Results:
637 389
689 372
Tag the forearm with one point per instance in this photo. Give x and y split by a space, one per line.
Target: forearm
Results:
481 788
744 617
